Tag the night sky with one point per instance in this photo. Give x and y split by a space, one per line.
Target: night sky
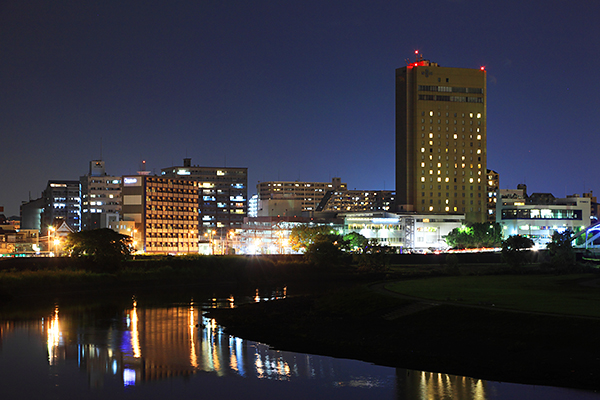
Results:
298 90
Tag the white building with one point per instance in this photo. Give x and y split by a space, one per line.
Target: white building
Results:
100 197
414 232
538 216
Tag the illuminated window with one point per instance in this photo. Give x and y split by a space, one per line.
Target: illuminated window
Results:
422 179
478 137
422 150
478 115
431 113
455 136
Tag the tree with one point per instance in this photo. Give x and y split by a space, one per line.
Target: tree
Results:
303 236
326 250
513 250
375 257
356 242
104 246
561 249
477 235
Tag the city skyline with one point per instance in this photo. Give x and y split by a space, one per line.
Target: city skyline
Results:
302 92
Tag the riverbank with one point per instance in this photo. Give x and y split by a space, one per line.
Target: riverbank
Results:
483 343
341 317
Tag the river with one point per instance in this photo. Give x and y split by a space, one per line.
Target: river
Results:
145 350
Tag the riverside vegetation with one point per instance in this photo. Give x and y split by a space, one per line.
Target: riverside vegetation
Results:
469 332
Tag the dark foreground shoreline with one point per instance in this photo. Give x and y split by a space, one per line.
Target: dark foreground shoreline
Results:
486 344
343 319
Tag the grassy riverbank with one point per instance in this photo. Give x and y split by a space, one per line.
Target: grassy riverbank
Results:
486 343
349 318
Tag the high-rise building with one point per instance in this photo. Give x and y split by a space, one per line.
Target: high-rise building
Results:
223 195
441 140
493 185
61 203
164 213
100 197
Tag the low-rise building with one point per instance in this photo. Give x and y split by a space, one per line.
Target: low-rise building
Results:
356 200
539 215
270 235
293 198
407 232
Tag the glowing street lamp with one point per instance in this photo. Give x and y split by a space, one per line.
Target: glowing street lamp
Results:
56 245
210 234
53 230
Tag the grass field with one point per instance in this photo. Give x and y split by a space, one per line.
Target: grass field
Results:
556 294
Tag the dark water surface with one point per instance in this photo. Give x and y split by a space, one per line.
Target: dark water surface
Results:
143 350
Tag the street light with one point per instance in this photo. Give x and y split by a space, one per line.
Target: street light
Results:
210 234
53 230
56 244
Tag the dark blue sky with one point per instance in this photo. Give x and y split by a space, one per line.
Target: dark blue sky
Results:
291 90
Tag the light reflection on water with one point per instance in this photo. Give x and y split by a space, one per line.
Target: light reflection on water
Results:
142 347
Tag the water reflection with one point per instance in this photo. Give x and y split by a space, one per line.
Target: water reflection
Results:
141 344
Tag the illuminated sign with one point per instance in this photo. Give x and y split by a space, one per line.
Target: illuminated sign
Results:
385 220
130 181
183 172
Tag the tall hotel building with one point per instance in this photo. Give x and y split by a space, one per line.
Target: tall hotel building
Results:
441 140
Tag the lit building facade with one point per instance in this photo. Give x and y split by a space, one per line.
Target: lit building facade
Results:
357 200
441 140
61 203
411 232
165 213
223 195
100 197
492 186
539 215
268 235
294 198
